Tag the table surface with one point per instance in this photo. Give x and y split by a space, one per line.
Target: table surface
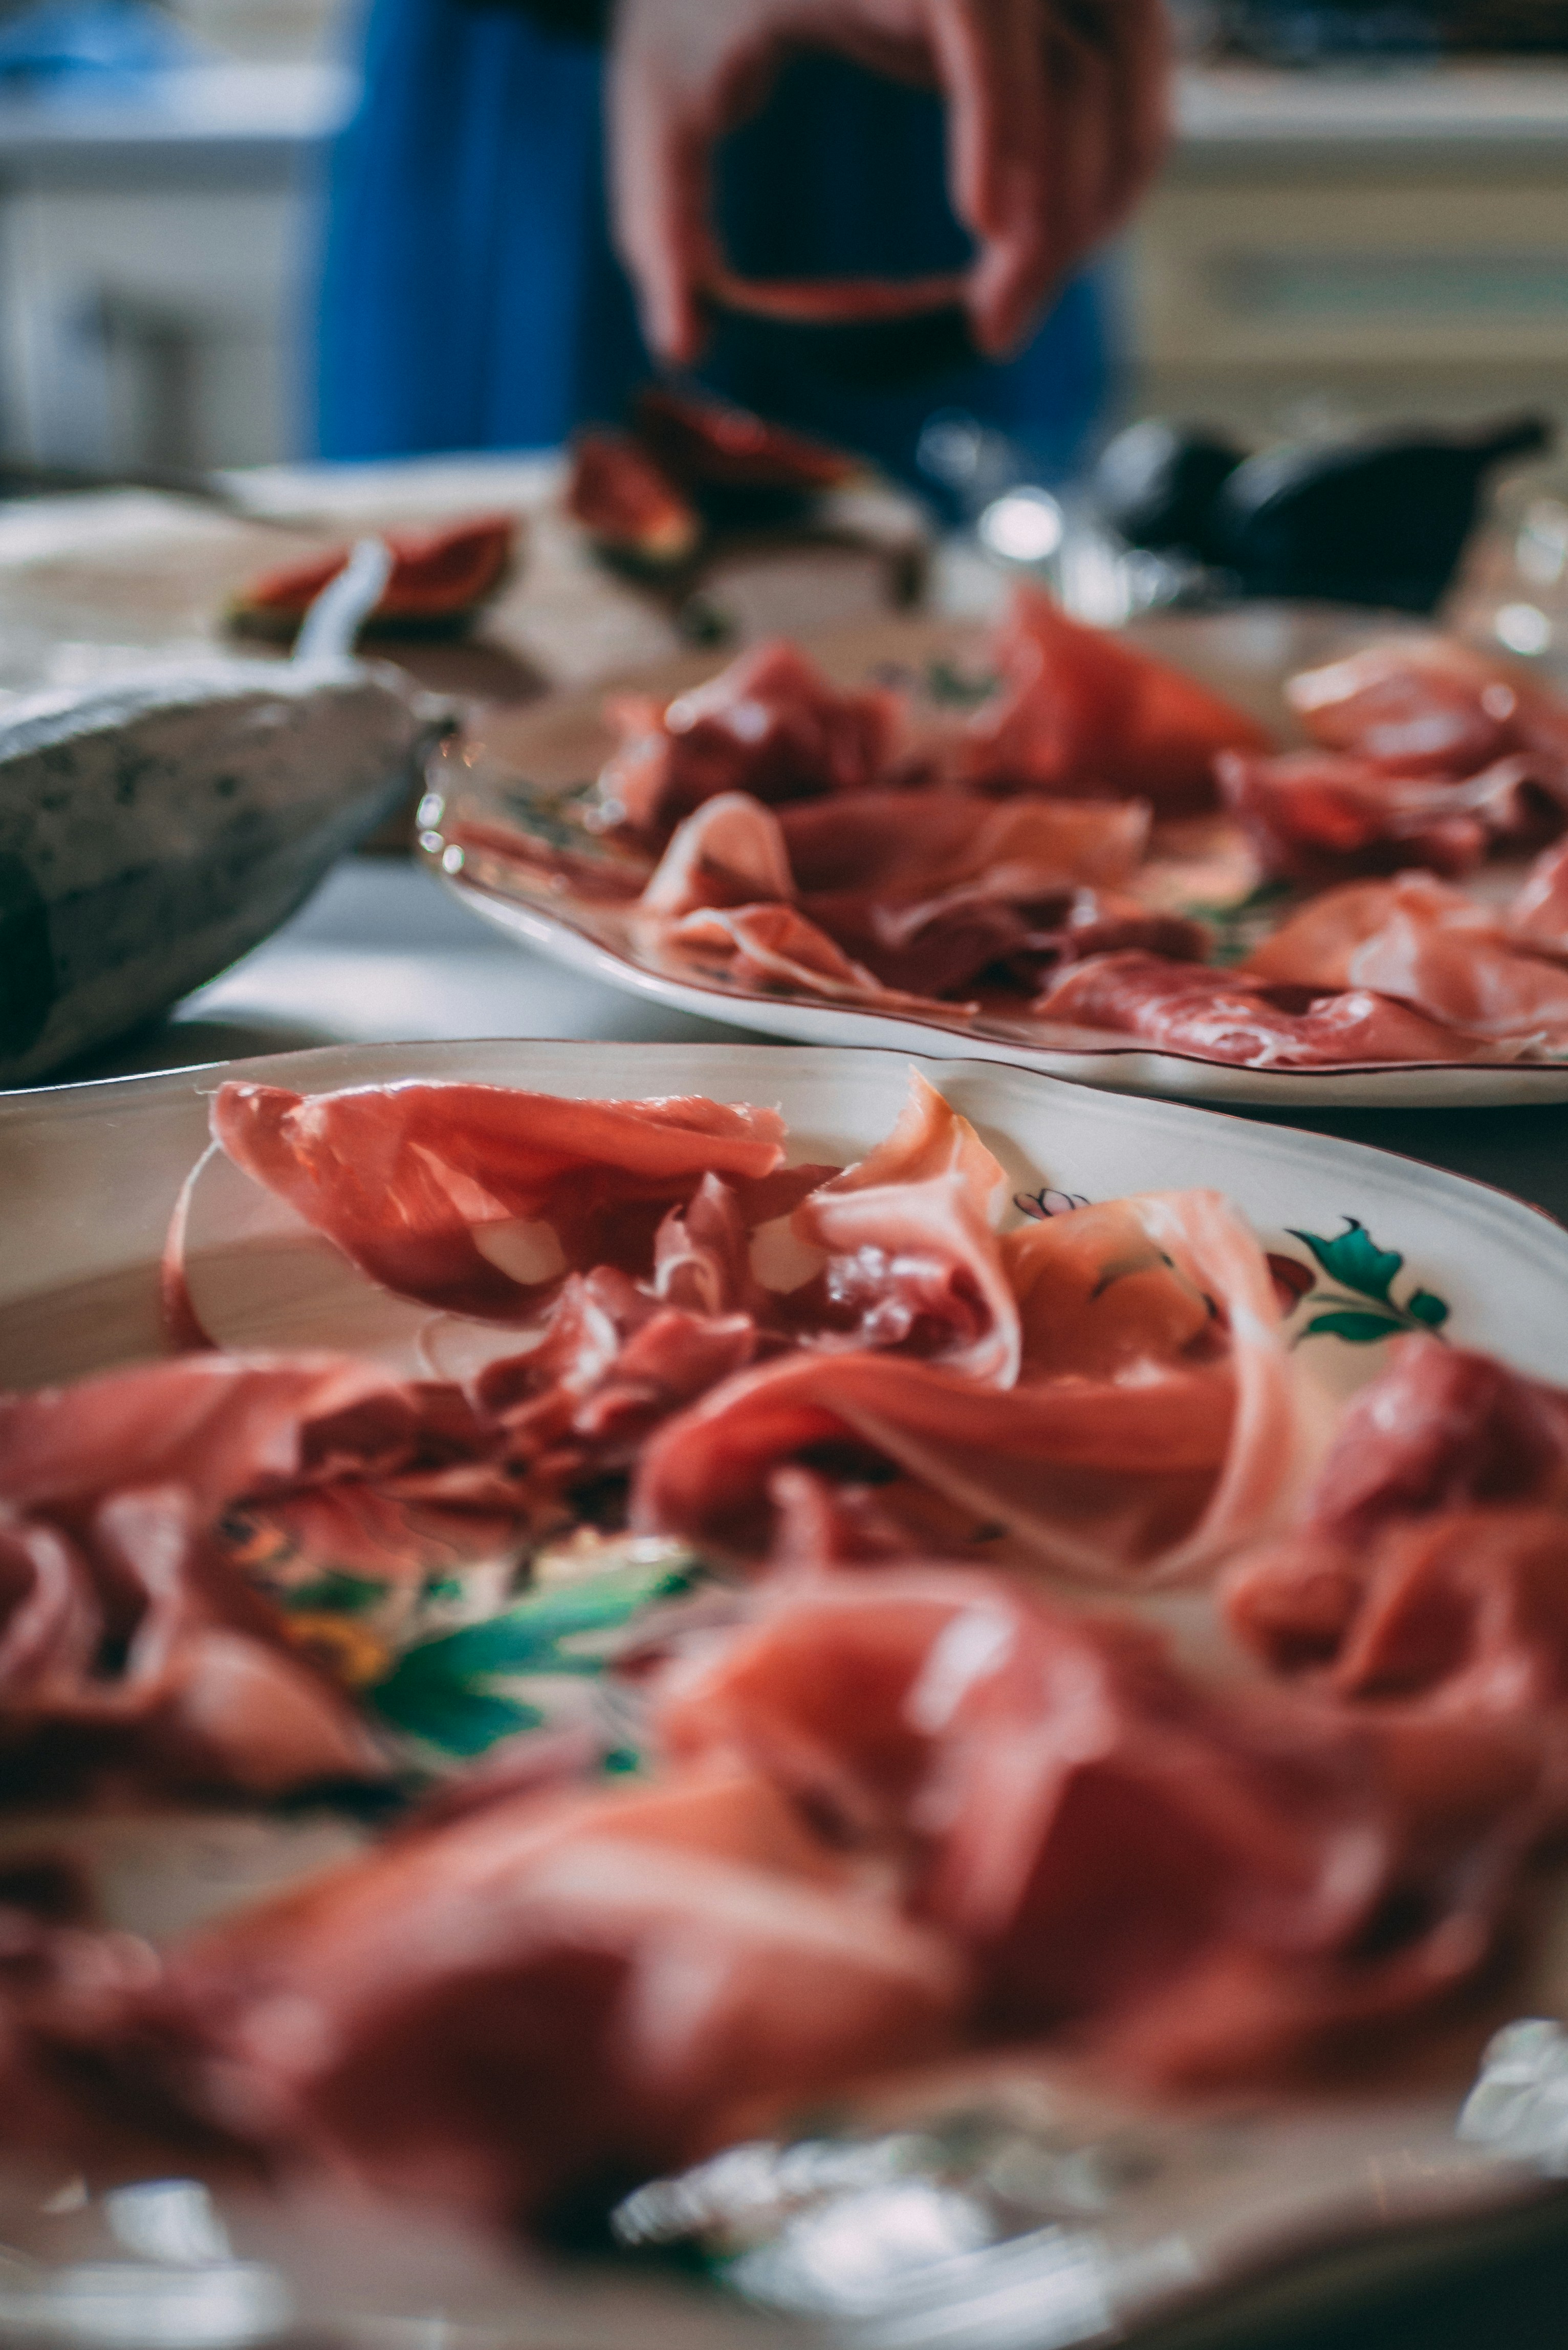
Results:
384 952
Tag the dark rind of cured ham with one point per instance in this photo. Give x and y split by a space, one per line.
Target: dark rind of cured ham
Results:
770 725
1146 1464
132 1648
1081 712
1237 1016
1165 1876
411 1181
525 2011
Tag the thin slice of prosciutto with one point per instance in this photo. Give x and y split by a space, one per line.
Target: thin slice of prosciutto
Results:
1428 705
1082 712
1247 1016
478 1198
1321 817
1137 1462
1431 947
770 725
913 1261
1183 1881
523 2011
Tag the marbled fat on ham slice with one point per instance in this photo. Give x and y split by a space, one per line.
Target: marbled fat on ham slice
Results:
523 2012
1245 1016
1081 712
440 1191
1150 1472
1114 1844
770 725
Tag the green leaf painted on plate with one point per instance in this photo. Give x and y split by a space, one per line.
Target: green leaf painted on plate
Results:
1361 1329
1428 1308
1353 1257
440 1690
334 1593
460 1720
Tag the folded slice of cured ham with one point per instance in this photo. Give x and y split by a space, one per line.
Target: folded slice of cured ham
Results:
478 1198
1245 1016
1442 1435
916 892
1081 712
1115 1845
1538 918
913 1262
1320 816
524 2012
1135 1462
770 725
130 1644
1427 705
1430 946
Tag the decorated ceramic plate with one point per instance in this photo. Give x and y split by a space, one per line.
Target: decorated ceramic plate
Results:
1054 2219
509 823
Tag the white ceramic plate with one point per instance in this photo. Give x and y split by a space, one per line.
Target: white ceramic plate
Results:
519 769
1209 2219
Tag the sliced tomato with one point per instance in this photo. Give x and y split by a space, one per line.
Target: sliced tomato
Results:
627 502
437 575
707 443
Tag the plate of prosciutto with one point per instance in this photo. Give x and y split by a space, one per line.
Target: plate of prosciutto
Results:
936 1699
1267 856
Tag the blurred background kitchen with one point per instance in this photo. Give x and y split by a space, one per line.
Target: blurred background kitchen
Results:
1365 217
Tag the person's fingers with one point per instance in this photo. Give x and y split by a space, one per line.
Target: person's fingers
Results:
660 198
989 61
1140 52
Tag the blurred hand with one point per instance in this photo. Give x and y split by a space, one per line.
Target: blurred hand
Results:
1057 122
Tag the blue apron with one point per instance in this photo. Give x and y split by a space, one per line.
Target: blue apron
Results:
469 298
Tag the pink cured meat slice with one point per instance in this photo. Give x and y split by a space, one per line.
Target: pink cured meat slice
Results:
1081 712
770 724
553 1997
1112 1842
1538 918
1320 816
1246 1018
777 949
1429 946
1152 1476
415 1182
903 845
1426 705
730 852
112 1491
912 1255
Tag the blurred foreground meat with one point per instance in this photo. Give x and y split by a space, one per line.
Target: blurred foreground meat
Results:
132 1650
1191 1885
